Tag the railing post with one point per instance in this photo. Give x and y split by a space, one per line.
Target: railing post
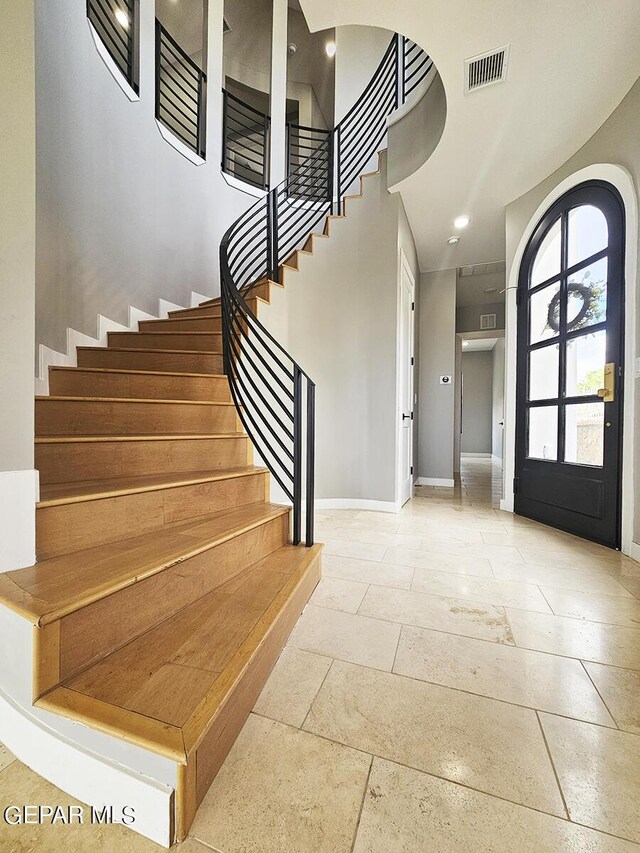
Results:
310 468
297 455
224 130
400 70
274 266
330 168
337 169
202 115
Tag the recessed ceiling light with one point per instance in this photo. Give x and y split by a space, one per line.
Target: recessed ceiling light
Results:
122 18
330 48
461 221
453 240
491 290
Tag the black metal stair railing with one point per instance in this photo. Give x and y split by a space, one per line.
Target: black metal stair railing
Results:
115 23
302 143
180 92
245 141
416 64
274 396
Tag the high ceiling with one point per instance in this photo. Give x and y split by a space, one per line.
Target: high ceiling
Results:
571 63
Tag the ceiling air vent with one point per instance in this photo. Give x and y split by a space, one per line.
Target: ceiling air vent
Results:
487 321
486 69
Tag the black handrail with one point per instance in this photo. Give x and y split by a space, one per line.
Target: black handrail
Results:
302 142
274 396
116 24
245 141
180 92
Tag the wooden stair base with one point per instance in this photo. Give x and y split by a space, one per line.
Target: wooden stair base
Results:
139 384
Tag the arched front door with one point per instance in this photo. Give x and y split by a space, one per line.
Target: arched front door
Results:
570 366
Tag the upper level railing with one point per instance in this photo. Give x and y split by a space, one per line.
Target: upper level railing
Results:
115 23
274 396
416 64
303 143
180 92
245 141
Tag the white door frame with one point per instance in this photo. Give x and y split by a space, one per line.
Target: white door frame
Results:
403 269
622 180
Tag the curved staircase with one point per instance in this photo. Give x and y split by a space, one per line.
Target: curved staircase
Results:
165 585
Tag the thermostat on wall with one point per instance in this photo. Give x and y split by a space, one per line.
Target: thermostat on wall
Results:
445 380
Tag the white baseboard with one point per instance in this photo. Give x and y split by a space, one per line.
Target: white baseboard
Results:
356 503
496 459
48 357
633 551
19 493
466 455
435 481
90 778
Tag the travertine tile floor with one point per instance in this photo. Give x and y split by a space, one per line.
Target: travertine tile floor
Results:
463 680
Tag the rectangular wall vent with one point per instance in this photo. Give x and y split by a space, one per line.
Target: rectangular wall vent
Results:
486 69
482 269
487 321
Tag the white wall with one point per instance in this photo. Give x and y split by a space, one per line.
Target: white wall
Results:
437 325
18 480
497 402
477 391
337 317
358 54
122 217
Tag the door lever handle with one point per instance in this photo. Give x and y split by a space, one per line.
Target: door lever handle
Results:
406 417
607 394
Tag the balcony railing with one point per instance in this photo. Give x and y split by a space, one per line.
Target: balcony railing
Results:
245 142
115 23
302 143
180 92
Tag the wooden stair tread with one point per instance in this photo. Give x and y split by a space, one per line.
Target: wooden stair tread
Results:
54 494
60 585
133 400
137 372
164 689
62 439
154 349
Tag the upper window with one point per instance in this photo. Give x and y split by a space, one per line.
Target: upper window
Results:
115 24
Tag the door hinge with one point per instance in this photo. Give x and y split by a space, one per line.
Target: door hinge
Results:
411 415
411 470
413 306
412 361
516 483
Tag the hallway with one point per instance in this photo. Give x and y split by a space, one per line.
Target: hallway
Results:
463 680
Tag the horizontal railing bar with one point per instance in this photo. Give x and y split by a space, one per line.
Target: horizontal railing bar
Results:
110 22
168 97
172 80
246 106
181 53
174 118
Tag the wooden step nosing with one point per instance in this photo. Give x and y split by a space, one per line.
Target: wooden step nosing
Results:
103 494
122 370
130 726
151 349
148 400
86 439
97 594
203 717
152 332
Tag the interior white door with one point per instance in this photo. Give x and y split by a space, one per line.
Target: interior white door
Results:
406 382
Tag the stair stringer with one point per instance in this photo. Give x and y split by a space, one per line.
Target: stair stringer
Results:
48 357
93 768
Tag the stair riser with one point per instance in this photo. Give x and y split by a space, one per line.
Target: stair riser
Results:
195 324
180 362
71 461
76 383
79 417
198 311
158 340
69 527
96 630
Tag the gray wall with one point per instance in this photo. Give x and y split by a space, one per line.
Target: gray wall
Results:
436 357
617 141
338 318
497 405
477 381
468 316
122 217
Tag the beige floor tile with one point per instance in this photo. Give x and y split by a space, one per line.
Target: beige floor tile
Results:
355 550
339 594
363 534
283 791
423 559
292 686
366 571
6 757
536 680
453 615
406 811
486 590
473 550
21 786
571 559
596 608
576 638
632 585
453 532
488 745
599 773
599 583
346 636
620 689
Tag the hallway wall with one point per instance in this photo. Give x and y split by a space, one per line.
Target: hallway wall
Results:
477 401
497 399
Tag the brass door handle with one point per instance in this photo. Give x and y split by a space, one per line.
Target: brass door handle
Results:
608 393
